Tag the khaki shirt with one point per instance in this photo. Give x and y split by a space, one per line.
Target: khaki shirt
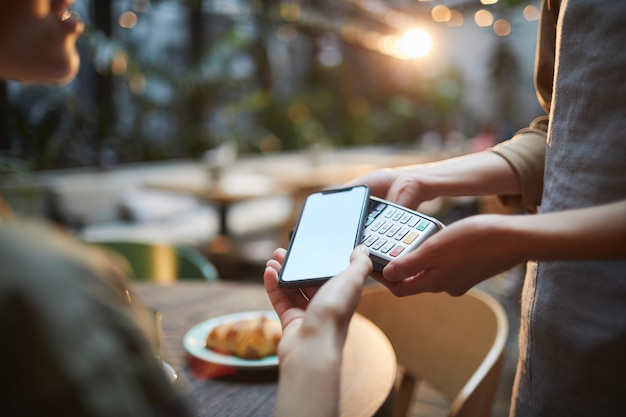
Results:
526 151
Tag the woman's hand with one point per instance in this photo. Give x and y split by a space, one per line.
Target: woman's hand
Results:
400 185
456 258
482 173
314 333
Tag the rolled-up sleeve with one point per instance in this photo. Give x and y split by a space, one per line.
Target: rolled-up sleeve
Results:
525 153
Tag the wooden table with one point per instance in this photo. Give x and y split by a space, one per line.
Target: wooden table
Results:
292 174
223 193
368 372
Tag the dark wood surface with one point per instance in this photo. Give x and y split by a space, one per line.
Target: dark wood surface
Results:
368 371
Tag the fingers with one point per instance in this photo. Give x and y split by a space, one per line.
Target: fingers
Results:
360 263
342 291
282 299
279 255
407 266
340 295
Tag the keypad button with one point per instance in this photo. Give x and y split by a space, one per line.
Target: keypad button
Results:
388 247
396 251
393 230
380 207
410 238
405 218
377 225
422 225
370 241
400 234
379 244
384 228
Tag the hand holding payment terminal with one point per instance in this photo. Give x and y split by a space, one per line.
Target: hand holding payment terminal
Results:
333 222
392 230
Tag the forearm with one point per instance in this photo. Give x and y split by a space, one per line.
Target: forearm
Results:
590 233
483 173
310 388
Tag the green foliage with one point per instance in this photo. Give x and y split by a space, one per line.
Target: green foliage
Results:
168 105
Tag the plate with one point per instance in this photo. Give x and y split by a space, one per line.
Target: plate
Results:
195 338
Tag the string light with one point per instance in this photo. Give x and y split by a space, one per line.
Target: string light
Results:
531 13
456 19
128 20
502 27
483 18
441 13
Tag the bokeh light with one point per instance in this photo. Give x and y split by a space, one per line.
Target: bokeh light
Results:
290 11
440 13
415 43
119 64
456 19
531 13
502 27
483 18
128 20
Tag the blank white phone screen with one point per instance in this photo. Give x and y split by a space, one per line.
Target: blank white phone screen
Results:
327 232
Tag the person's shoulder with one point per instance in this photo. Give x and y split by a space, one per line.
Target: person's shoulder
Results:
37 253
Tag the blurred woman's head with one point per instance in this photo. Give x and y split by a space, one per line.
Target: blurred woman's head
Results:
38 40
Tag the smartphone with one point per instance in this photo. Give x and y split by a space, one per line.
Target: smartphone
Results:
329 227
392 231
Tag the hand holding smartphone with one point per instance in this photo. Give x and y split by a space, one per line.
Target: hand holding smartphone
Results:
329 227
333 222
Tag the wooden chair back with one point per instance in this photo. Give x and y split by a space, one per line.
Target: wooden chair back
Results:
455 343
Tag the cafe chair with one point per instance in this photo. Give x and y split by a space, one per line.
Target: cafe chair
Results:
161 262
454 343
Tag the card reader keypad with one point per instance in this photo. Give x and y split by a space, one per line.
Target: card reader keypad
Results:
390 229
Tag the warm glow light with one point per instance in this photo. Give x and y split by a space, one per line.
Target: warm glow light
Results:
440 13
398 20
370 40
119 64
387 44
456 19
128 20
415 43
502 28
290 11
531 13
483 18
488 1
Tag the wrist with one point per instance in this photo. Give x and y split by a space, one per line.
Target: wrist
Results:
309 387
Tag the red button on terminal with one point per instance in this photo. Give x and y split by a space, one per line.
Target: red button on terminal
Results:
397 251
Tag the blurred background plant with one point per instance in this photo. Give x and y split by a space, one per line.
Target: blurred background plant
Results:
166 79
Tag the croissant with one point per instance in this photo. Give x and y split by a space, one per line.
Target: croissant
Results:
253 338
